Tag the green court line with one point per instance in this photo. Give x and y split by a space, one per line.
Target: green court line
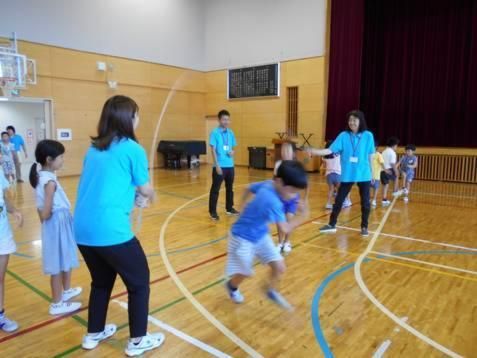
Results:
178 300
162 308
42 295
29 285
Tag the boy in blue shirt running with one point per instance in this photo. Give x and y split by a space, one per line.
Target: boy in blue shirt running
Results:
250 236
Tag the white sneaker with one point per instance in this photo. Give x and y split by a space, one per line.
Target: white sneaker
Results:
7 325
406 199
279 248
72 292
64 307
235 296
405 191
398 193
91 341
386 203
329 206
373 203
347 204
147 343
287 247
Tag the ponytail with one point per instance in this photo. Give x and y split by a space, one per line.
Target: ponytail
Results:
34 175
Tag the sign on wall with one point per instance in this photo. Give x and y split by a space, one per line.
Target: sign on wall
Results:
257 81
64 134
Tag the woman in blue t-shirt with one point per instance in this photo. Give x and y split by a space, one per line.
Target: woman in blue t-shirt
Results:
115 171
355 145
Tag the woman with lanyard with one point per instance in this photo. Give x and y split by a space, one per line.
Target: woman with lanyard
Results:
115 172
355 146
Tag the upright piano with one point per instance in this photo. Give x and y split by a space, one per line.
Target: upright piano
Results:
174 150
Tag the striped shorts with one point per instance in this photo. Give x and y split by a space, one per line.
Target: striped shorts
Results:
241 254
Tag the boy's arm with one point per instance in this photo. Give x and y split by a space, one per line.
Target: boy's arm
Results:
303 212
246 194
414 166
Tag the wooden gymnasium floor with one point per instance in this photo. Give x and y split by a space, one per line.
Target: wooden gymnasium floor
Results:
423 268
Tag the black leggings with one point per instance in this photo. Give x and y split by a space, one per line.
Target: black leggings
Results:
104 263
343 192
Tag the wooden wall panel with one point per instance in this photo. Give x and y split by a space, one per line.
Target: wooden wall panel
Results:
79 91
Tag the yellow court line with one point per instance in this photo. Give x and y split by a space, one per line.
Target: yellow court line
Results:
395 263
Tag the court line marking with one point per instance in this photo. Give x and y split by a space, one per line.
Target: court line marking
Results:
178 333
380 259
405 238
84 308
198 306
378 304
453 268
319 334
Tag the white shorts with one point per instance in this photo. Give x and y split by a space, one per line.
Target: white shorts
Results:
7 245
241 254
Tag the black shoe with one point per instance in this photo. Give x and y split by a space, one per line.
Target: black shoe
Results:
327 228
214 217
232 212
364 232
20 181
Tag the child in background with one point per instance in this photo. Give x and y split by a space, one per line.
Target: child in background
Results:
284 244
407 167
58 243
377 167
333 177
7 247
7 150
390 172
250 236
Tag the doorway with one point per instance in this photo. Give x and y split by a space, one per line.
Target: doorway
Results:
32 119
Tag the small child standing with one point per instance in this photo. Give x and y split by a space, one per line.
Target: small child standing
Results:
58 245
390 172
7 247
332 163
290 206
250 236
8 165
377 167
407 167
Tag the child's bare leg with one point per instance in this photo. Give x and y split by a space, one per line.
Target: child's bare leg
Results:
236 280
385 191
331 190
3 270
278 269
66 280
56 287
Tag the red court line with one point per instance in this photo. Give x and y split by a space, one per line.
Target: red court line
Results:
56 319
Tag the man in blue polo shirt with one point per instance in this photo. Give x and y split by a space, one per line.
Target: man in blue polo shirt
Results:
19 144
222 143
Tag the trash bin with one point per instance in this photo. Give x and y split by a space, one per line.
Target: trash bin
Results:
257 157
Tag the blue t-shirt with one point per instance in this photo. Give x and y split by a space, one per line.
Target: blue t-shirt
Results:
354 150
17 141
106 193
265 208
289 206
406 161
222 142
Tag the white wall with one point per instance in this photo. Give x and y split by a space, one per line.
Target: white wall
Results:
197 34
23 116
163 31
249 32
